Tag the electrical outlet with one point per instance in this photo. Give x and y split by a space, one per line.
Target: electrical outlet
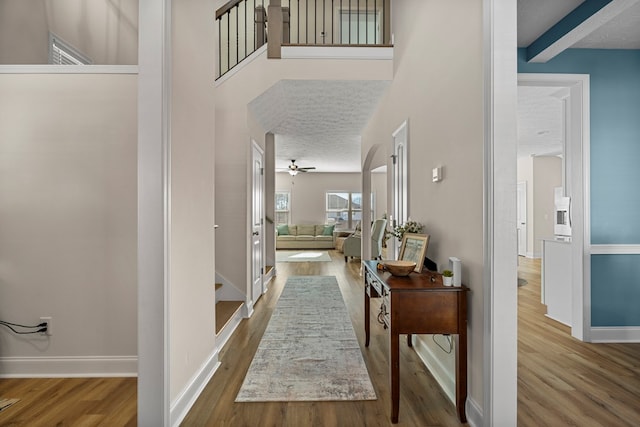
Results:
47 320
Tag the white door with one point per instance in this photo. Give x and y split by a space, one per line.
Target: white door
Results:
400 182
522 218
257 223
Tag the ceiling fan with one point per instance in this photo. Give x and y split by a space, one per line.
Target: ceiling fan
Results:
294 169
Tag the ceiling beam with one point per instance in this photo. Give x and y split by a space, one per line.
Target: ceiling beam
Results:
578 24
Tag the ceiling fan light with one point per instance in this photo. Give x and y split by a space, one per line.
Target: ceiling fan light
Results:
293 172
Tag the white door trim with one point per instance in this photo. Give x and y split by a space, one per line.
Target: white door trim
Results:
400 180
154 221
500 329
577 161
257 153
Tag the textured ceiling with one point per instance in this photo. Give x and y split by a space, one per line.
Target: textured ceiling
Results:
621 32
540 121
318 123
535 17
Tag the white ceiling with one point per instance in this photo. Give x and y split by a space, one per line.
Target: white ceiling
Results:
318 123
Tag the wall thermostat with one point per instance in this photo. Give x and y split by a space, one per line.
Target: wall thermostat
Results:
437 174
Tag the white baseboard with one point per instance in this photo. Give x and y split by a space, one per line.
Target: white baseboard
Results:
615 334
185 400
446 379
57 367
474 413
534 255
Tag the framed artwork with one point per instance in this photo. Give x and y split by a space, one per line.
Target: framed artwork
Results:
414 248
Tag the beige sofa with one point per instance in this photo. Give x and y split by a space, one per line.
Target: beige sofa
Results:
304 237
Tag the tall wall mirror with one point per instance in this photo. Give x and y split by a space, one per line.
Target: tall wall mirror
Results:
70 32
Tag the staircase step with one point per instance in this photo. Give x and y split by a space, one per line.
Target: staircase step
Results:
218 286
268 269
225 310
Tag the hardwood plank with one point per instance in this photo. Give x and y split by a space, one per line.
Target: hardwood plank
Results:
566 382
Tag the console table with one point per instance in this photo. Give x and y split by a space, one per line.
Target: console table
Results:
418 304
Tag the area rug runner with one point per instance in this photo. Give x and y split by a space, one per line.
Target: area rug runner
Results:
309 351
302 256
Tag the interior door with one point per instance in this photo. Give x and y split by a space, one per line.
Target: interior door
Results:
400 182
257 223
522 218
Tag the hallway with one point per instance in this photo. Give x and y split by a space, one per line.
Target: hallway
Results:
422 402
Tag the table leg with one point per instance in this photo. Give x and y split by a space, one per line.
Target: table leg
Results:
394 359
461 375
367 309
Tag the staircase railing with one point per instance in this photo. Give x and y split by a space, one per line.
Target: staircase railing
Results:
242 25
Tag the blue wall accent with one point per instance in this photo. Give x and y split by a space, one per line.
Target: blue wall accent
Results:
615 301
615 136
615 173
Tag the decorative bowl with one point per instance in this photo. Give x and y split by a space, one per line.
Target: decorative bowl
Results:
399 268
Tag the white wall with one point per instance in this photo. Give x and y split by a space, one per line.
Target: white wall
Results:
547 174
379 190
438 87
68 213
104 30
308 193
192 294
542 174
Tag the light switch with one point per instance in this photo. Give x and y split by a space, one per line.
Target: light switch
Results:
437 174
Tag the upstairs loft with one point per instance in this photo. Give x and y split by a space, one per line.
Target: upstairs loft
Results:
245 26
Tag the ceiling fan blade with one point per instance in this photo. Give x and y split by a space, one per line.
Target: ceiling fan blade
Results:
306 169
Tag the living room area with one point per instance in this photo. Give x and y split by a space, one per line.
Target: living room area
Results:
320 210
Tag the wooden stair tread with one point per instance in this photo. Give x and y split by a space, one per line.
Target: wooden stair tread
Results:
224 312
218 286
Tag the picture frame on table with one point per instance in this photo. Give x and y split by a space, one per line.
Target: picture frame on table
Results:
414 248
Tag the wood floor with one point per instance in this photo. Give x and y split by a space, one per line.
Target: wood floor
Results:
561 381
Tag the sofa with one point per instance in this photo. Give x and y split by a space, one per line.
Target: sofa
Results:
312 236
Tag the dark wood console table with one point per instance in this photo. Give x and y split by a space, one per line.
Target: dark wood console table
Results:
418 304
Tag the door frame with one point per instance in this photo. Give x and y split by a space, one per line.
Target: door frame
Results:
398 178
523 185
256 149
577 170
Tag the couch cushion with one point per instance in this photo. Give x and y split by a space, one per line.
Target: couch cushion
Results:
306 230
328 230
293 230
325 238
304 237
283 230
287 237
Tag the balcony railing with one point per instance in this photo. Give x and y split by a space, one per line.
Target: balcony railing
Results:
242 25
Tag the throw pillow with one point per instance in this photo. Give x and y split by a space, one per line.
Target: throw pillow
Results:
283 230
328 230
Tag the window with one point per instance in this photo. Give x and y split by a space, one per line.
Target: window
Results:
344 209
283 205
